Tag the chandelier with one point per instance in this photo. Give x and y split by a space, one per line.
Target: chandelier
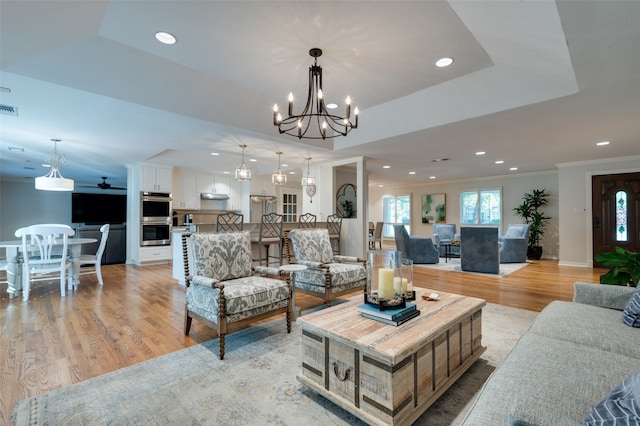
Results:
243 172
308 180
278 178
53 181
315 121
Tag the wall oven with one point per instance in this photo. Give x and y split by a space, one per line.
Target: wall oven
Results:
155 218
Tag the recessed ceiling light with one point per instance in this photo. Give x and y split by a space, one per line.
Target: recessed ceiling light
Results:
412 173
284 165
380 186
432 177
332 106
165 38
226 173
513 169
499 161
603 143
292 173
480 153
444 62
253 160
215 153
386 167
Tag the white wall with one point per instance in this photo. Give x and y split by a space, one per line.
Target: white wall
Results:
575 227
513 187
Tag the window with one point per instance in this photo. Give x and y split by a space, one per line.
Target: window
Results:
396 209
621 216
481 207
289 207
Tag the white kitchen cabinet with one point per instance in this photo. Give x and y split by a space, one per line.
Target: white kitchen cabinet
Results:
156 179
185 193
154 254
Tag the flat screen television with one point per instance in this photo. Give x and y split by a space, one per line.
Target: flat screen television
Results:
97 209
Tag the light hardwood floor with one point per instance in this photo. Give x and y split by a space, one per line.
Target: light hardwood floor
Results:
50 341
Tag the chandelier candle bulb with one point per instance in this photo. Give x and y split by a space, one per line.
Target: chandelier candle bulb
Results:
275 114
290 104
355 112
348 101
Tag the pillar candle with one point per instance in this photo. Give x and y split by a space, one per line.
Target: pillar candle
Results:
385 283
397 285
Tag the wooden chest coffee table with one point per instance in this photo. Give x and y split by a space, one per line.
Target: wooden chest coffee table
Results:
385 374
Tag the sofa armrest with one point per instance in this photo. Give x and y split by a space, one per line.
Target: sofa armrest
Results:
603 295
204 281
347 259
266 270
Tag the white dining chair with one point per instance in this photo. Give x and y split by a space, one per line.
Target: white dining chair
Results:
45 255
92 263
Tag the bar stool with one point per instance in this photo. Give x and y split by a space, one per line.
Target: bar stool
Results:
229 222
334 225
307 220
270 234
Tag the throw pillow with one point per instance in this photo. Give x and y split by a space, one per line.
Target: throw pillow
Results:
631 313
620 407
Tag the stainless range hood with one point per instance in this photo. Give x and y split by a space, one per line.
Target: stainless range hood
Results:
213 196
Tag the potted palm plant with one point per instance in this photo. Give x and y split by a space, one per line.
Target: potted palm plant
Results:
529 210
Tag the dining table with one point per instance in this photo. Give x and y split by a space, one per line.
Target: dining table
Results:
14 262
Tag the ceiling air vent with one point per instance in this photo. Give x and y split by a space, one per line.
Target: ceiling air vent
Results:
8 110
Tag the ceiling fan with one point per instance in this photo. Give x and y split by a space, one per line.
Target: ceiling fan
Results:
105 185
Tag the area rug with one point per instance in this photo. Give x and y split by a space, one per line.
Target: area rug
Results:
454 265
254 385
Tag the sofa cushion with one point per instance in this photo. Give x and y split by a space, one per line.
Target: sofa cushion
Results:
631 313
548 381
312 245
620 407
587 325
342 275
222 256
242 296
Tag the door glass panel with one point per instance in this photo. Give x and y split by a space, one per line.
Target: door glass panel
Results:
621 216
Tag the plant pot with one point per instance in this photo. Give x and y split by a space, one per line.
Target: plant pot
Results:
534 253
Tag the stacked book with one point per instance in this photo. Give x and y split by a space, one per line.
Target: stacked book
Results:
389 316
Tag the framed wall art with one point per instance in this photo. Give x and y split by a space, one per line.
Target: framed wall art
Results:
434 208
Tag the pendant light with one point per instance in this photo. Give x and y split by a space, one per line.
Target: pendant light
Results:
278 178
243 172
308 180
53 181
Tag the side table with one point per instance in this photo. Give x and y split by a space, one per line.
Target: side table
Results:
448 254
291 269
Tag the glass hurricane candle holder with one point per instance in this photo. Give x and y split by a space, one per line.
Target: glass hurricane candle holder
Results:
382 289
406 274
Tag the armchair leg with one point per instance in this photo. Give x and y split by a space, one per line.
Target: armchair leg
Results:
221 347
289 321
187 321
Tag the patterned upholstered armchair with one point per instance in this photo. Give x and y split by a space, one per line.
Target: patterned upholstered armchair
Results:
223 291
327 275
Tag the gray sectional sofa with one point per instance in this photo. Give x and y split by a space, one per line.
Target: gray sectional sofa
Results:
571 357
